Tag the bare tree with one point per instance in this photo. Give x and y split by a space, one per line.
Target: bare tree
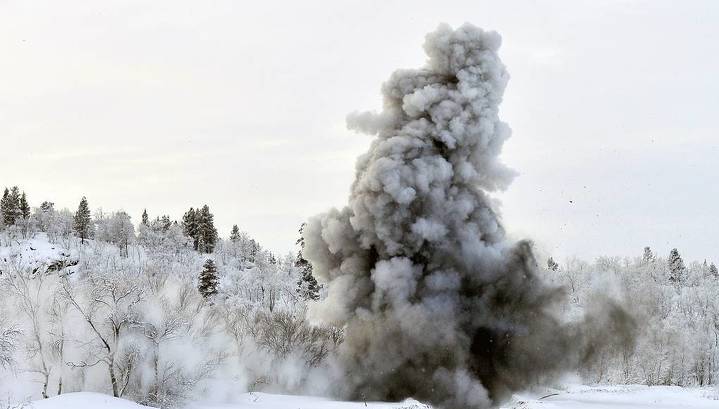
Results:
27 286
8 343
167 328
107 302
57 313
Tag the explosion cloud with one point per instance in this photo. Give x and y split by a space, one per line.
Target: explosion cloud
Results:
436 302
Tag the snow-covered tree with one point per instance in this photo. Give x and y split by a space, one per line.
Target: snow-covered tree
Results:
116 229
647 255
307 285
235 234
10 206
677 270
8 343
208 280
24 206
83 221
45 215
190 226
206 230
199 225
108 303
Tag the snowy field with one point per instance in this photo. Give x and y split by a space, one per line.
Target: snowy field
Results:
578 397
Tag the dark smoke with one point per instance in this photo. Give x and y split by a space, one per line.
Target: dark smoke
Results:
436 302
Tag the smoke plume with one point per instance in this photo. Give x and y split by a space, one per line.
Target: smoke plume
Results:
436 302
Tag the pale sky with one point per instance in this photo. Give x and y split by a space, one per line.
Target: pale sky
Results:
241 105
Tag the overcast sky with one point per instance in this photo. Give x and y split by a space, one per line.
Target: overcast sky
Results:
172 104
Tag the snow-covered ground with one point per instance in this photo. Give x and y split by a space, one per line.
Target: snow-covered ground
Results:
621 397
577 397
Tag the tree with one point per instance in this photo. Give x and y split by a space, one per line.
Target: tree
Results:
677 270
109 305
647 256
8 343
83 222
47 206
145 218
10 206
235 234
199 225
45 216
206 230
189 226
208 279
24 207
307 285
552 265
27 287
4 205
121 231
713 270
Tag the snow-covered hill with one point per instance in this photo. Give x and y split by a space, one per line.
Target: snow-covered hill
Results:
38 254
578 397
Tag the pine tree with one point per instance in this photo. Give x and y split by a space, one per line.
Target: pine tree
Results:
165 222
5 208
235 234
677 270
10 206
47 207
307 285
189 226
552 265
713 270
24 206
647 256
254 249
83 222
207 233
145 218
208 280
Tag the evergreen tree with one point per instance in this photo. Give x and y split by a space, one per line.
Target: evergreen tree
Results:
307 285
552 265
10 206
24 206
235 234
165 222
46 215
47 207
145 218
5 208
713 270
207 233
647 256
208 279
253 250
83 222
199 225
677 270
189 226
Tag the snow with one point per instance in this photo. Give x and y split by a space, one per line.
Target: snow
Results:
85 400
575 397
621 397
36 252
